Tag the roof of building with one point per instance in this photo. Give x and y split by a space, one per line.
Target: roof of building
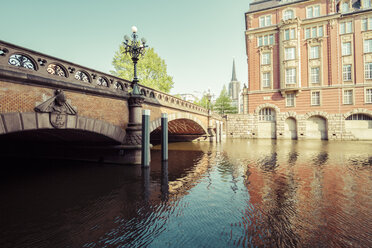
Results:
259 5
233 78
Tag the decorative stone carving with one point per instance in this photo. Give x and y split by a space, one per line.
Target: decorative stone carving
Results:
314 41
136 101
58 107
266 48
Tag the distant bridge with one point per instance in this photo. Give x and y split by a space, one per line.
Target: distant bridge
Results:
49 100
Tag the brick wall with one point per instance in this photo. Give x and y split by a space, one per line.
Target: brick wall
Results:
24 98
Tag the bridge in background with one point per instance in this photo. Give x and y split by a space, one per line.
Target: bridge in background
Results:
46 100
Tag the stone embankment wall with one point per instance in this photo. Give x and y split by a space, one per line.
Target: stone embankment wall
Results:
312 125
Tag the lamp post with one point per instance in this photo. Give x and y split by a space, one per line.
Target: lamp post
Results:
135 49
133 139
209 98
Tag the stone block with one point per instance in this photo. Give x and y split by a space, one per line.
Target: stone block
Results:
104 128
71 121
89 126
111 131
2 128
43 120
97 126
81 122
12 122
29 121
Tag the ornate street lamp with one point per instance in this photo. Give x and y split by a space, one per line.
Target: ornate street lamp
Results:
135 49
209 98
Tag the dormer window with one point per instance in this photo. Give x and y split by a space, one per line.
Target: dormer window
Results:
366 4
265 21
313 11
345 7
288 14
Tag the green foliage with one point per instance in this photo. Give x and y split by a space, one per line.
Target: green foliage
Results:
203 102
223 103
151 69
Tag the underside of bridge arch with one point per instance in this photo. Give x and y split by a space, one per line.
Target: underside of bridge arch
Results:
32 134
179 130
57 143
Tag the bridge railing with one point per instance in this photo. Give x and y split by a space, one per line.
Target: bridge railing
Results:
33 67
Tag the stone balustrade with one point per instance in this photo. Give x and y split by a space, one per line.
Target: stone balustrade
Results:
34 67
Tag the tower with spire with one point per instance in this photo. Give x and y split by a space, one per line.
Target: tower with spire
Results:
234 88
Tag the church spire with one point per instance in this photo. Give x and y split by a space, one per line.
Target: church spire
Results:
233 78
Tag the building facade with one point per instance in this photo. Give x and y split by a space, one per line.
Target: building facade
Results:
310 70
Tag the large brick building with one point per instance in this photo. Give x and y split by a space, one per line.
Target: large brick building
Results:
310 70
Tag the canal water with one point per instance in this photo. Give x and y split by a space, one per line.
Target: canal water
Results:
240 193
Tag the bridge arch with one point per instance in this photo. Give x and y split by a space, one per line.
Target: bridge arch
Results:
181 127
78 129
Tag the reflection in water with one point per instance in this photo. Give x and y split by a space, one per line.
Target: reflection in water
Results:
240 193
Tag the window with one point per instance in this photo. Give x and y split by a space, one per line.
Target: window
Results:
345 7
314 32
266 79
368 95
315 98
314 52
346 48
290 76
346 72
267 114
290 53
367 24
289 34
288 14
315 75
313 11
348 96
359 117
290 100
346 27
368 70
265 21
366 3
367 46
265 40
266 59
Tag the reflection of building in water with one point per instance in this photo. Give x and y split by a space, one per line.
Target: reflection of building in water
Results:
309 69
312 192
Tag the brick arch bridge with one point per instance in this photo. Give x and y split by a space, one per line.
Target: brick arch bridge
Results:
46 99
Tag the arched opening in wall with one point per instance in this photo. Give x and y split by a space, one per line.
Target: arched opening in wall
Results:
290 128
316 128
55 143
267 123
360 126
179 130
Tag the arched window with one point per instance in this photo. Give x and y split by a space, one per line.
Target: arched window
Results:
288 14
21 60
359 117
56 70
82 76
345 7
118 86
267 114
102 82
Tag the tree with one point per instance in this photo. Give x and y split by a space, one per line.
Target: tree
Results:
223 103
151 69
203 102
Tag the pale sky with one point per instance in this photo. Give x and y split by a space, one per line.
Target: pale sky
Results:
198 39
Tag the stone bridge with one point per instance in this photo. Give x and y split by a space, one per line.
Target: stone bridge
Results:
47 100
